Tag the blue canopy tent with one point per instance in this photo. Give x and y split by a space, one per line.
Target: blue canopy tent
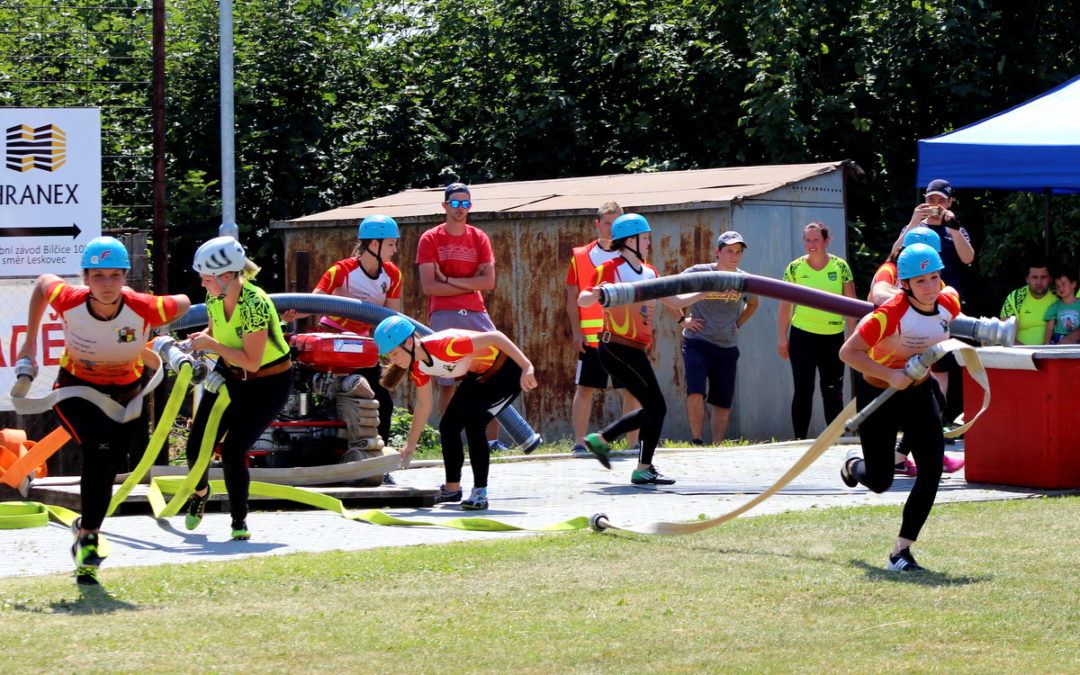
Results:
1033 147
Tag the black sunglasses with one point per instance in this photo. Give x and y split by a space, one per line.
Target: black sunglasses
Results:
459 203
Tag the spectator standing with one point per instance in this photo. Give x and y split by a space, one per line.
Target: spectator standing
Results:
587 323
810 338
1029 305
456 265
710 352
935 212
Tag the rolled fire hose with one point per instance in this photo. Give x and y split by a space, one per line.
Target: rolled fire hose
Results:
311 303
121 414
985 331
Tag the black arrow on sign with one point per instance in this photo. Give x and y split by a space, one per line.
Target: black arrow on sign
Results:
61 231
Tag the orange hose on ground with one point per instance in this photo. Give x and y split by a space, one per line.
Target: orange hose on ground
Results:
35 457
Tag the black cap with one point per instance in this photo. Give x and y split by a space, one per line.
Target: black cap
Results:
939 186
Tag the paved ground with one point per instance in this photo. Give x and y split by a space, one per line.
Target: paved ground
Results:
525 493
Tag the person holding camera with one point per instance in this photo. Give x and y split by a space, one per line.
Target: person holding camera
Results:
935 212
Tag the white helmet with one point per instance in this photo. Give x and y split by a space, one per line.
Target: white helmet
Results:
220 255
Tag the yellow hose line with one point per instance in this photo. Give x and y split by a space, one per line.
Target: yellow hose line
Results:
157 440
187 483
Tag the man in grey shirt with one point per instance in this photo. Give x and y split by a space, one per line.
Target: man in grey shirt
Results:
709 349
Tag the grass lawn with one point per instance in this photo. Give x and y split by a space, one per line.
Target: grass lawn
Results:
798 592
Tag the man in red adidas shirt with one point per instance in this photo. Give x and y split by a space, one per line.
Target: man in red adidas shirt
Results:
456 264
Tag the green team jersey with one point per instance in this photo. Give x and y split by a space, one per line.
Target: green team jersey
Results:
254 312
830 278
1029 312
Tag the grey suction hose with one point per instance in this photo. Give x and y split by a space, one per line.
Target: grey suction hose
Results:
311 303
988 331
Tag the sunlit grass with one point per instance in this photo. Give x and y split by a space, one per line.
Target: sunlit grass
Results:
801 592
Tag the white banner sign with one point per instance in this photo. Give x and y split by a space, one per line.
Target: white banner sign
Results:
50 189
14 297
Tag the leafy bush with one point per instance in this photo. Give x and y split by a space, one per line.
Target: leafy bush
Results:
429 446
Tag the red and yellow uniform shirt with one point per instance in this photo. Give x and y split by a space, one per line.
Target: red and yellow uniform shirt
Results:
896 330
452 356
887 273
347 279
634 321
582 270
107 352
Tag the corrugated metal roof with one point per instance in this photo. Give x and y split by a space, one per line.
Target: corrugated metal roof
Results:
572 195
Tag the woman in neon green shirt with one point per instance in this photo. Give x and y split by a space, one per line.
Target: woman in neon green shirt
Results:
810 339
245 332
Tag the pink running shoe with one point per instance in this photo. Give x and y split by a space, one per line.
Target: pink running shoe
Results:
906 468
951 465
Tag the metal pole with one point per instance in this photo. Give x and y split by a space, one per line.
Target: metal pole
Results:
157 123
1048 233
160 223
228 226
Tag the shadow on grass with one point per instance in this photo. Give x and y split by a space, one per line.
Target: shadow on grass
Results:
927 578
193 543
872 572
91 600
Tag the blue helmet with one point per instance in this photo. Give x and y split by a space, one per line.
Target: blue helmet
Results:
391 332
378 227
917 260
920 234
629 224
105 253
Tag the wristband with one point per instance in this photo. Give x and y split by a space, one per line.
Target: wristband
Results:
682 318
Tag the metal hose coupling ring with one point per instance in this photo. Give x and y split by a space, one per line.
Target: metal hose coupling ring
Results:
986 331
175 356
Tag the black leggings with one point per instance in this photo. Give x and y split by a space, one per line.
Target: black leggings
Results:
809 353
472 406
382 395
105 444
253 405
631 366
915 412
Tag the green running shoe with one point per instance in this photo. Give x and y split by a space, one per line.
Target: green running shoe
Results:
196 507
600 449
240 531
650 474
86 575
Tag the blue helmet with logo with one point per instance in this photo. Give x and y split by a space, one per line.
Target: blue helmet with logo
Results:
378 227
105 253
629 224
920 234
917 260
391 332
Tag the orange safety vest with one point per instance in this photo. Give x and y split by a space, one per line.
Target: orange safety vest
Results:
591 317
